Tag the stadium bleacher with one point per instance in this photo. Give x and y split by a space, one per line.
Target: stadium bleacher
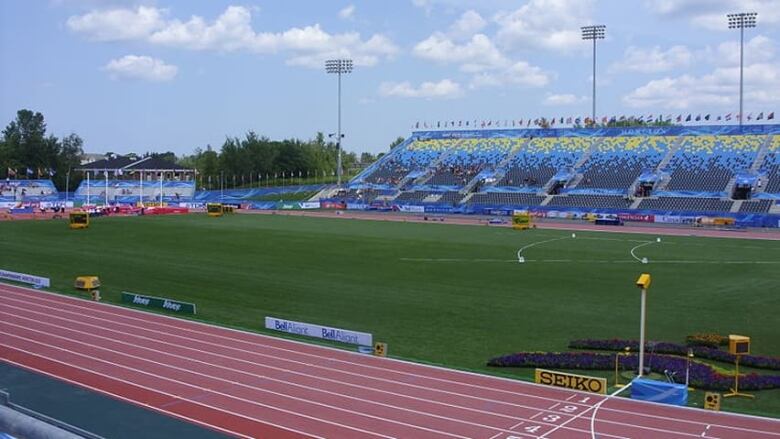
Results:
536 163
617 162
707 163
689 170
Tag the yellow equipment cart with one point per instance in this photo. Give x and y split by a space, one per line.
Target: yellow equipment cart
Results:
521 221
214 209
79 219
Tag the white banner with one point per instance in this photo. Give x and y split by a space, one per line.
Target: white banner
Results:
25 278
324 332
415 209
310 205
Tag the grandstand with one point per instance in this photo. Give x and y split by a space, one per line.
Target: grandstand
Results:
128 179
696 170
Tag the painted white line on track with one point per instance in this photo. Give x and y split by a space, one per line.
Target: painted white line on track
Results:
212 331
260 389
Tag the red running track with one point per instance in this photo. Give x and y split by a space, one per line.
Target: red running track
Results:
251 385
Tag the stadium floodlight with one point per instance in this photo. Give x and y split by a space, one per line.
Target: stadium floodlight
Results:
595 32
339 67
741 21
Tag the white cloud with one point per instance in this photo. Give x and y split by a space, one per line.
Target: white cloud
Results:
711 14
118 24
467 25
563 99
653 60
549 24
519 73
477 54
347 13
719 88
140 67
231 31
445 88
757 49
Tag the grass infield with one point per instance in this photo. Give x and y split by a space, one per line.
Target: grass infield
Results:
437 293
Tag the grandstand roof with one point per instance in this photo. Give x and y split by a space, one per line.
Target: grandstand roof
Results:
132 164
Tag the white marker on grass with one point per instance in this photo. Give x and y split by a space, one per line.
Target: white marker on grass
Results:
658 239
573 235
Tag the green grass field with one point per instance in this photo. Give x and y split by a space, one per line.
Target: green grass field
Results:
384 278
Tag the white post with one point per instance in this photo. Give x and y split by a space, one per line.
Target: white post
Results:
141 193
88 188
161 188
642 333
105 173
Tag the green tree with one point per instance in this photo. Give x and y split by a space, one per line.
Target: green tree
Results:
396 142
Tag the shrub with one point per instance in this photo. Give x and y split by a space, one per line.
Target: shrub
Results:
701 375
707 339
759 362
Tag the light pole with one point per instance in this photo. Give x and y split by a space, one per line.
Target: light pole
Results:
688 366
594 33
643 283
339 67
741 21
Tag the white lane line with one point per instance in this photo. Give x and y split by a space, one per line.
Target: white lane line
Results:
170 395
139 403
199 388
260 389
105 329
594 407
533 244
638 247
210 330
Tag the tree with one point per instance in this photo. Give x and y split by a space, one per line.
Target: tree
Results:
396 142
26 146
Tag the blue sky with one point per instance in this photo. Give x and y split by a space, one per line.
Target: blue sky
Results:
175 75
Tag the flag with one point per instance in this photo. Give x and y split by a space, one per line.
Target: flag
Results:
604 120
29 171
707 117
698 117
771 116
640 119
750 116
577 121
119 172
11 172
688 119
51 172
529 123
679 118
760 116
561 119
728 117
718 119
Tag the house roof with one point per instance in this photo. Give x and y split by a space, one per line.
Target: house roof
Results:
132 164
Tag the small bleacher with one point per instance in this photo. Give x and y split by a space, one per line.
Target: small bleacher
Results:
28 191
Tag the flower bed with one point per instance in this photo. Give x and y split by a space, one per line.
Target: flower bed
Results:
702 376
771 363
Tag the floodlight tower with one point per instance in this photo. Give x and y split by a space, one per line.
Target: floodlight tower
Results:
595 32
339 67
741 21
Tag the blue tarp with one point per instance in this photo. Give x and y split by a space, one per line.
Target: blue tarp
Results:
659 391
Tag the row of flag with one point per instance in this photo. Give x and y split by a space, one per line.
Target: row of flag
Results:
587 121
14 172
276 175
